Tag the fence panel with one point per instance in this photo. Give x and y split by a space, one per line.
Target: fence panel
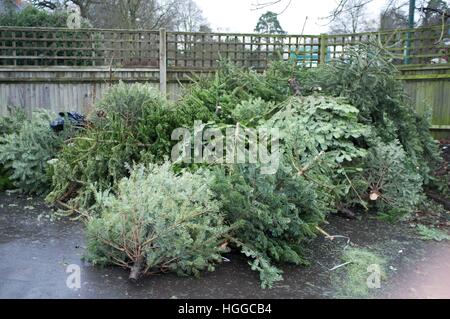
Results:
411 46
21 46
78 47
196 51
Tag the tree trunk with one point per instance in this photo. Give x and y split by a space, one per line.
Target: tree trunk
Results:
136 270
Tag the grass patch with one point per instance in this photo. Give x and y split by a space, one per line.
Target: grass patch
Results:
427 233
351 280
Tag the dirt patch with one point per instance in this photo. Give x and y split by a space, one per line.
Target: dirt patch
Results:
36 250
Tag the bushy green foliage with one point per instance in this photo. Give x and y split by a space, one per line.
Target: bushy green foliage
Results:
278 212
12 122
8 125
389 182
25 153
214 99
313 124
252 111
400 138
367 79
33 17
336 151
131 124
322 139
165 221
275 214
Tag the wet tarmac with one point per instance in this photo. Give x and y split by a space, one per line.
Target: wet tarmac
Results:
36 252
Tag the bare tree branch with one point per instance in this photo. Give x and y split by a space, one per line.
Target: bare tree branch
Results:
285 8
259 6
344 7
351 18
441 12
264 5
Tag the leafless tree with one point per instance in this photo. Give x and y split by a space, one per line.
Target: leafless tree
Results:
135 14
189 17
393 18
433 12
352 18
128 14
430 10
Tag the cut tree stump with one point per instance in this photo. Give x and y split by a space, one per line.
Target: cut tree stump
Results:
136 270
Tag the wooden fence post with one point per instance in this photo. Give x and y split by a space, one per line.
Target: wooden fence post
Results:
323 48
93 49
14 48
163 61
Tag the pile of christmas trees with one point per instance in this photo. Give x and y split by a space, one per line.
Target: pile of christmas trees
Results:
347 140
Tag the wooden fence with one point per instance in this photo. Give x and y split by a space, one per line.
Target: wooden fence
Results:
428 86
186 50
70 68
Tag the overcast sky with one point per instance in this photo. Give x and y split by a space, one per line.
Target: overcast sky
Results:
238 16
